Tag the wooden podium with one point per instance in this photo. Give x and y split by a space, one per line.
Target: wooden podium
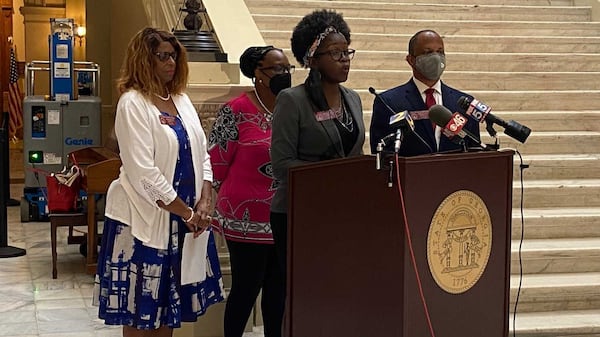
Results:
349 267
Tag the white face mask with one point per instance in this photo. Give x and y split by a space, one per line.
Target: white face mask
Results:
431 65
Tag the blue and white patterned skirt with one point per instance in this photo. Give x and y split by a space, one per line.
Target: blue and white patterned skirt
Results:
139 286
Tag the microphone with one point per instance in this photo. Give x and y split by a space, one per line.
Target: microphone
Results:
372 91
451 124
401 121
398 120
379 149
482 112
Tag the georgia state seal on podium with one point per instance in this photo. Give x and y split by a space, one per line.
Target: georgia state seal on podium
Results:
459 241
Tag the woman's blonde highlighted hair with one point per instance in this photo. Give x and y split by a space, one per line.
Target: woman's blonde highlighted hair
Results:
138 72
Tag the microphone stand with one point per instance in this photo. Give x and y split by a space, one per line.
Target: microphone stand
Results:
379 158
397 144
398 141
378 151
391 172
489 127
461 142
464 145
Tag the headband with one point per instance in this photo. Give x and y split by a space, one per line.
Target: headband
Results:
315 45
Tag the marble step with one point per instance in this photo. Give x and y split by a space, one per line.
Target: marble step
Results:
556 223
471 2
226 273
552 142
572 255
495 62
558 193
559 166
482 12
557 100
555 292
563 323
447 28
473 80
461 43
538 120
554 120
583 142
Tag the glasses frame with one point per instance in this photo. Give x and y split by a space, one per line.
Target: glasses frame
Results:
348 53
164 56
286 70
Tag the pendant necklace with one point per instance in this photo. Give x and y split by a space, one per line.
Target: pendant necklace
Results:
345 118
267 114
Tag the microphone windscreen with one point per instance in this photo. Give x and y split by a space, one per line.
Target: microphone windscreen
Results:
372 90
463 102
517 131
440 115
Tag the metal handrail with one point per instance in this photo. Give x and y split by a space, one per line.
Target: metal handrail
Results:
78 66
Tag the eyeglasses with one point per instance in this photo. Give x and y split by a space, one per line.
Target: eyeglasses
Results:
337 55
279 69
164 56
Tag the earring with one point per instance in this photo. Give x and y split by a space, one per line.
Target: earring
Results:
260 81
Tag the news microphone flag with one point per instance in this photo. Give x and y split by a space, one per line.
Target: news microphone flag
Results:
455 126
15 103
478 110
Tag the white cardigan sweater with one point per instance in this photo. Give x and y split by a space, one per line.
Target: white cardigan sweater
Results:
148 151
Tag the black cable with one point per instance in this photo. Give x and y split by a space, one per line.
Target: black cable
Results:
423 141
522 167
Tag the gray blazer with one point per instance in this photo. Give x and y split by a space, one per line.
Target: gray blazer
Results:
298 138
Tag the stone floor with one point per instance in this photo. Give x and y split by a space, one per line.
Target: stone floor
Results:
32 304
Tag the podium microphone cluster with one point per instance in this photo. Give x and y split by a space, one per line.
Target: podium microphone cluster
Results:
400 121
452 124
481 112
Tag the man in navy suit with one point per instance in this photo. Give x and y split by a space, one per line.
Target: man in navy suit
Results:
427 59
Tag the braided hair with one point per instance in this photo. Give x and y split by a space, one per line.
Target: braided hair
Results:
251 59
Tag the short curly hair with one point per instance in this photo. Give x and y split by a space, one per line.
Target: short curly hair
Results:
251 57
311 26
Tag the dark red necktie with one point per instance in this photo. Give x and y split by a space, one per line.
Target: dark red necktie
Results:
430 101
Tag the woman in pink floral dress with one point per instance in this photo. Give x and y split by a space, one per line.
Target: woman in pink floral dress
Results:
239 145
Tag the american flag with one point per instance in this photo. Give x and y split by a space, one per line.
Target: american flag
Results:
15 104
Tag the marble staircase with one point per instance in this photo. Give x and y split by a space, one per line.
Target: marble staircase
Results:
534 61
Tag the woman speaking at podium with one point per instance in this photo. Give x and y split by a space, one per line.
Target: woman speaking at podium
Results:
319 119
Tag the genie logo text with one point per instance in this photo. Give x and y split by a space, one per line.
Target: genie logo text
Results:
78 141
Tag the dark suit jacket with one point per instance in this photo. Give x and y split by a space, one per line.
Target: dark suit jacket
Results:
298 138
407 97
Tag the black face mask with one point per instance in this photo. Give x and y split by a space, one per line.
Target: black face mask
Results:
280 82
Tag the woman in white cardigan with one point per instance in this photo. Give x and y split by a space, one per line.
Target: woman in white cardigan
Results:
160 201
